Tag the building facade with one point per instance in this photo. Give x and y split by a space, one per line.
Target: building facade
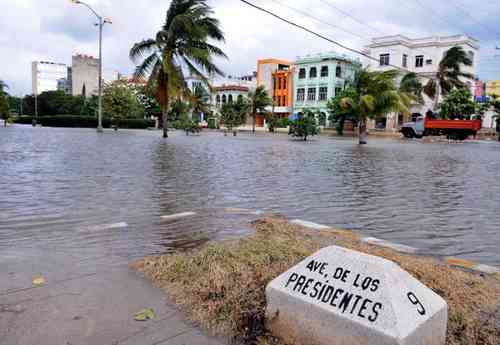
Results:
47 76
317 79
493 88
85 75
276 76
422 56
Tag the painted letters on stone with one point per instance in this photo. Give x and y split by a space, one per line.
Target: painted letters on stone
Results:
353 298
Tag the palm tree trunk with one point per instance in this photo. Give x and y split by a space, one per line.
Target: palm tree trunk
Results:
362 133
436 100
165 111
253 122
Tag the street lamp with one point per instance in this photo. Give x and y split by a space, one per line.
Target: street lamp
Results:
101 23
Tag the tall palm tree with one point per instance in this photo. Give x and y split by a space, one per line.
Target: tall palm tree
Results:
259 100
411 86
181 44
376 94
449 74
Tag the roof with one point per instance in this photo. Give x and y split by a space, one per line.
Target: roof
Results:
231 88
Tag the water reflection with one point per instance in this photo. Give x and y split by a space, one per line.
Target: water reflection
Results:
56 182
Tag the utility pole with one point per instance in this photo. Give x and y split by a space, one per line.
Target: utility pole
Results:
101 22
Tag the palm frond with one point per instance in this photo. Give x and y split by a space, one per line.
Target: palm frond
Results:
142 48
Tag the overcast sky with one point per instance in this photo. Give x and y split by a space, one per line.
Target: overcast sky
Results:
55 29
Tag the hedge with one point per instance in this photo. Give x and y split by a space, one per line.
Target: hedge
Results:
84 122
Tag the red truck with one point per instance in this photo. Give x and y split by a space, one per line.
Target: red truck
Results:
453 129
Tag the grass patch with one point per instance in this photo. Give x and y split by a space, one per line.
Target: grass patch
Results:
221 286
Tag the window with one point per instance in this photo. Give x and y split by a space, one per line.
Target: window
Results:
324 71
274 82
338 90
311 94
283 101
384 59
284 83
223 99
405 60
338 72
428 62
230 99
240 98
419 61
323 93
302 73
279 83
217 100
301 94
313 73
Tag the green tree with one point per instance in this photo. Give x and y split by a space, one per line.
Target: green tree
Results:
4 103
119 101
234 114
199 101
340 114
375 95
182 43
449 74
304 126
259 100
457 104
4 108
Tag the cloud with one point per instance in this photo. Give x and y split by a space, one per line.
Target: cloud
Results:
55 29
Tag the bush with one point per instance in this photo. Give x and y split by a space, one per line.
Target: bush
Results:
85 122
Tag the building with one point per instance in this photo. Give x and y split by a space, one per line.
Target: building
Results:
318 78
422 56
493 88
479 88
276 76
85 75
47 76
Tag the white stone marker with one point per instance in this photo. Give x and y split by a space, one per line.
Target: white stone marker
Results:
339 296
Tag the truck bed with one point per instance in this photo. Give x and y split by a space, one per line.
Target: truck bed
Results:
473 125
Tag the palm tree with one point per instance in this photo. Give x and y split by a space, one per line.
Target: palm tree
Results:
449 74
411 86
181 44
198 101
376 94
259 100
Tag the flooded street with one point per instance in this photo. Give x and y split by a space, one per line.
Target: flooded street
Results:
72 192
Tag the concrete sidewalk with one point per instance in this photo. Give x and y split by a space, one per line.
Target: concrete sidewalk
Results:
92 308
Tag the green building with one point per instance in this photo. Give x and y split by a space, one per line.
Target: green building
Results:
317 79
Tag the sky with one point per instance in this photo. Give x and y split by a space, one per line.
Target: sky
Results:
54 30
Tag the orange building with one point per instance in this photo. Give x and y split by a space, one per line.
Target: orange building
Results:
277 78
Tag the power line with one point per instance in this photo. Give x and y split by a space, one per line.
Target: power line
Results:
343 46
463 9
317 19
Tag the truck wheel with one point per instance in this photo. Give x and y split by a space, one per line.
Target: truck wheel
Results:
408 133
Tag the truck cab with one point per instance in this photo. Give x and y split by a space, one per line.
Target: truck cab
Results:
414 129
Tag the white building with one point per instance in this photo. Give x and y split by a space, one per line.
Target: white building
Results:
422 56
47 76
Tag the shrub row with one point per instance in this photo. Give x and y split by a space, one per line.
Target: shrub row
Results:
85 122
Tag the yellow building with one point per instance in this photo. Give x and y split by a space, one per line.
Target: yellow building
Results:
493 88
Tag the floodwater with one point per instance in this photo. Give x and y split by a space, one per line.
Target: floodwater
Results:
73 191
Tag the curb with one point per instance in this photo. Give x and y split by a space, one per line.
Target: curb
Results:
452 261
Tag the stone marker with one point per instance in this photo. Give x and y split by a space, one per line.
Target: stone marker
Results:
340 296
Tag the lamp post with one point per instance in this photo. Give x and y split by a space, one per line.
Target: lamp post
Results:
101 22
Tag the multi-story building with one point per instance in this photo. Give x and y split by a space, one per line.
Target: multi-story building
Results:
276 76
479 88
46 76
421 56
85 75
318 78
493 88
